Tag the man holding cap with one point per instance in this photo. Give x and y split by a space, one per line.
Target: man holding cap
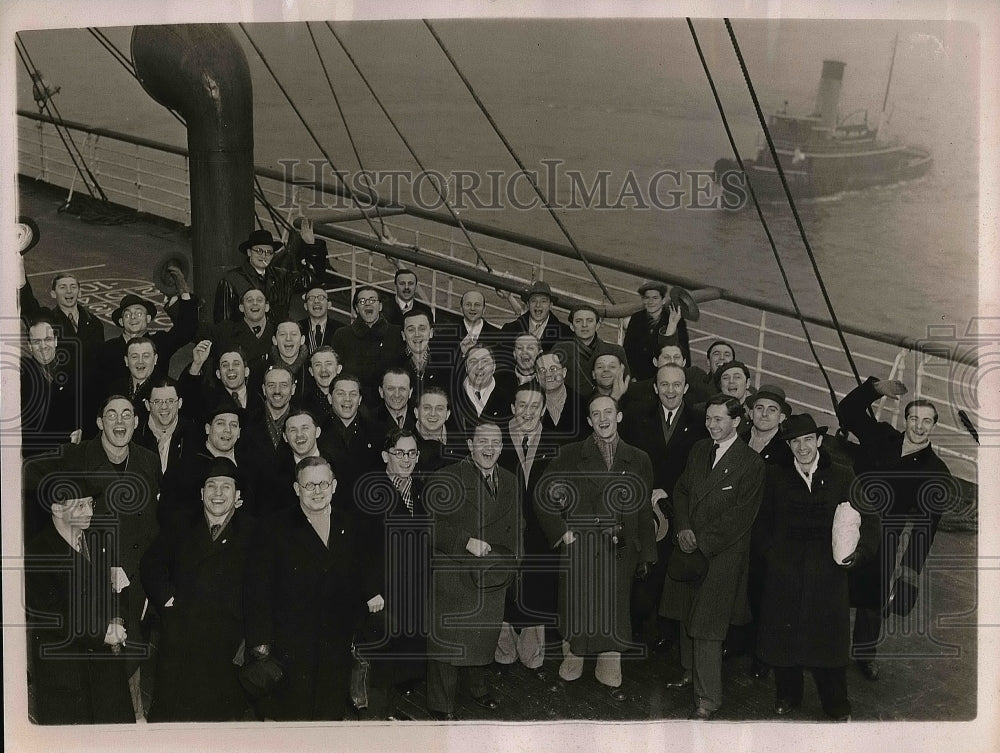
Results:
642 336
538 320
194 577
805 612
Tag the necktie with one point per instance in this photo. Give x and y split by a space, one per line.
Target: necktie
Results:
318 335
236 397
215 530
81 546
72 319
479 395
524 446
711 457
400 419
491 484
670 417
256 329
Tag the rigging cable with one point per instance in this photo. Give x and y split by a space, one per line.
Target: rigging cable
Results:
277 220
517 159
47 104
309 129
409 148
791 202
760 213
347 129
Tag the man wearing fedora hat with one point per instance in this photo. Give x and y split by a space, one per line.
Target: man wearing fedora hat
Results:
643 333
259 270
804 619
538 320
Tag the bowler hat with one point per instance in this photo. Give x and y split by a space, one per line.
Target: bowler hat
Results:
771 392
492 572
28 234
799 425
220 466
260 238
660 287
538 288
132 300
687 567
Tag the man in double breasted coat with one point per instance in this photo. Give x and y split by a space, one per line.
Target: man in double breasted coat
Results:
594 504
476 507
715 502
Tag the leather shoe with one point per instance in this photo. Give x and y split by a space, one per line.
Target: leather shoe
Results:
442 716
869 668
684 681
487 701
760 670
701 714
783 707
617 694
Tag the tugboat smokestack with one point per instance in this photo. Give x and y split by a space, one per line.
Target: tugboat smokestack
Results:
828 93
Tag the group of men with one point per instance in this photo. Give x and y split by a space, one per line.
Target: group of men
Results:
311 512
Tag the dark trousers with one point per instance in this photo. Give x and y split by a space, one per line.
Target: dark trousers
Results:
831 682
442 684
867 626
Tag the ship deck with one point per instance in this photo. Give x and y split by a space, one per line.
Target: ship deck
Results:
929 659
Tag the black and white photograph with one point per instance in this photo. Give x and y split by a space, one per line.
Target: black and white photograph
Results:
498 374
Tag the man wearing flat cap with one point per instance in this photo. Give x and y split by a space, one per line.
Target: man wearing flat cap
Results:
261 268
715 503
538 320
193 574
804 617
644 330
733 379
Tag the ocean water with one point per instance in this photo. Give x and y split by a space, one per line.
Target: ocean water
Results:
627 100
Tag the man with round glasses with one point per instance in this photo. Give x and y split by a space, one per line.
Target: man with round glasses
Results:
368 342
173 437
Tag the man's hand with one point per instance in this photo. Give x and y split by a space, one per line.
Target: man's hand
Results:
620 385
76 436
376 603
657 495
306 231
851 559
199 355
567 538
478 547
115 635
890 387
687 541
642 571
673 318
179 279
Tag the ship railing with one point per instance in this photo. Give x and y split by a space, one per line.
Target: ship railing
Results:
152 177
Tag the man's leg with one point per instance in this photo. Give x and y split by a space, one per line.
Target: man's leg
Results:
442 683
707 673
572 665
609 669
531 646
506 650
831 682
788 688
867 627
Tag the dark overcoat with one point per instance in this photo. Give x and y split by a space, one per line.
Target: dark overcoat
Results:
579 493
804 616
465 619
201 632
719 506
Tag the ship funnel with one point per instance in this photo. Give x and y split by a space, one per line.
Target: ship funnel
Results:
200 71
828 93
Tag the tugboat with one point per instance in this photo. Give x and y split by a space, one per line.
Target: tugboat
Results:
821 156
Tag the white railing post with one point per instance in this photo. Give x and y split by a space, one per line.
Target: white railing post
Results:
760 345
138 179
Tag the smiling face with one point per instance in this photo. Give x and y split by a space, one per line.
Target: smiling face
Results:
417 333
260 256
368 306
539 306
254 306
346 399
301 433
323 367
485 446
805 448
406 286
223 431
395 390
42 342
669 354
734 382
652 301
117 422
526 350
431 413
163 405
606 370
288 338
309 487
232 372
670 386
603 417
766 414
479 366
135 320
584 324
317 303
719 355
279 386
720 426
920 423
527 410
66 292
219 495
473 305
140 358
550 372
401 458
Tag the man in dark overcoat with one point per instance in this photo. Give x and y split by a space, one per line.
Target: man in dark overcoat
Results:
921 490
593 503
194 577
476 507
805 614
715 502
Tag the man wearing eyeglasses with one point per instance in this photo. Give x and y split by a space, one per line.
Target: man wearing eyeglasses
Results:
308 586
126 479
368 342
173 437
318 327
260 269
